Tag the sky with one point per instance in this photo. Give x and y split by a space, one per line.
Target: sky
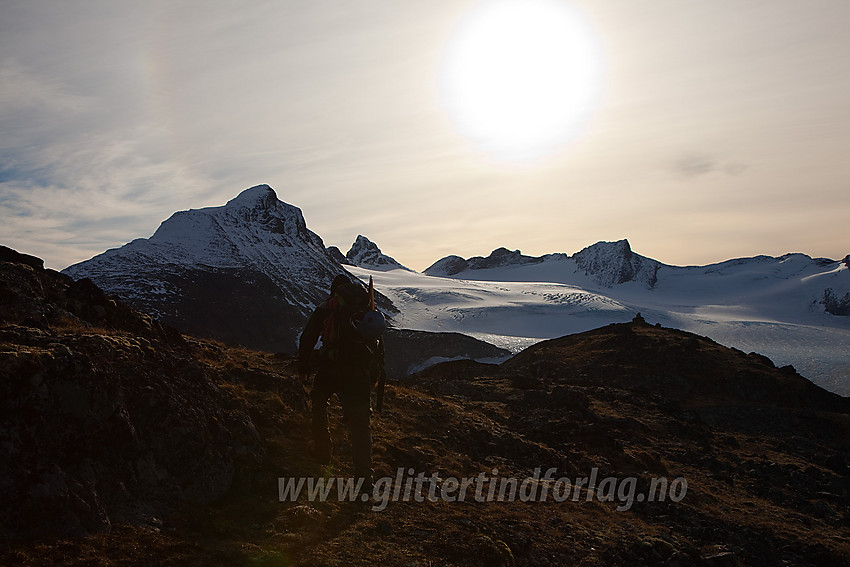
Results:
701 131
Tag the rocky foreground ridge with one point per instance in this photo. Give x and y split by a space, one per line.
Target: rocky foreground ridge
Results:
124 442
107 415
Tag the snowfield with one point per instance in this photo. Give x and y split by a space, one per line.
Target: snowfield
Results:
773 306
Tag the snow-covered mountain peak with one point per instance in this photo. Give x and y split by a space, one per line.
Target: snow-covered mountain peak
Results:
258 196
366 254
612 263
255 244
337 255
611 248
256 214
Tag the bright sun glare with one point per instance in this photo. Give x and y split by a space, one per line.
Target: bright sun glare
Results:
521 77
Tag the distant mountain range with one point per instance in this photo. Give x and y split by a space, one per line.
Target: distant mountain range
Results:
250 271
613 263
609 263
792 308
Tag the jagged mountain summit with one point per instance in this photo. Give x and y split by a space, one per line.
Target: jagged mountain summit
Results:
612 263
605 263
246 272
365 254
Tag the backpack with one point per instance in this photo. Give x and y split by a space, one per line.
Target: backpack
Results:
341 343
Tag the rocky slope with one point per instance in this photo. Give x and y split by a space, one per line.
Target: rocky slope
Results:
107 415
167 450
409 351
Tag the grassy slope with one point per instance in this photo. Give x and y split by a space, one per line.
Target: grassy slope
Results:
756 495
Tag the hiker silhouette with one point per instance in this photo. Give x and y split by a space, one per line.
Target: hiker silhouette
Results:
349 365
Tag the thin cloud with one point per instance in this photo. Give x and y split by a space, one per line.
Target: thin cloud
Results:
699 164
23 89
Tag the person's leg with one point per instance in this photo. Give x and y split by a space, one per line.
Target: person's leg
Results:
355 398
361 441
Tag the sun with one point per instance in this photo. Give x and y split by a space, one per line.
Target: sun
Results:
522 77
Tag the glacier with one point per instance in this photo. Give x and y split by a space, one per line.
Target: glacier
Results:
770 305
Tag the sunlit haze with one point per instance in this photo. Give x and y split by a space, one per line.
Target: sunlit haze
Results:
700 131
522 77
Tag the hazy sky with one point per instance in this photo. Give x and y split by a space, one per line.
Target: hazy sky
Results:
715 129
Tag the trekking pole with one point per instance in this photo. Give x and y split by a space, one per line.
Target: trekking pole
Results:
379 402
303 383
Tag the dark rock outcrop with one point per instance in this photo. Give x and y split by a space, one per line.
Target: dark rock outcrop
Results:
500 257
835 305
409 351
105 416
9 255
448 266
